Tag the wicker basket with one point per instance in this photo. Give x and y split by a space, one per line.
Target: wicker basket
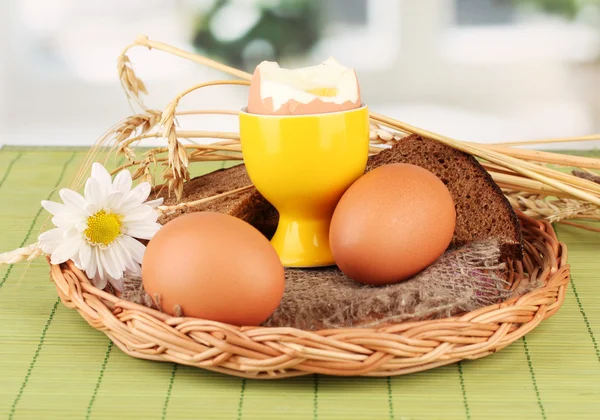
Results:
271 353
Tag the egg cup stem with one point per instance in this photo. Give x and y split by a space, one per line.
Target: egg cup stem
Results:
303 242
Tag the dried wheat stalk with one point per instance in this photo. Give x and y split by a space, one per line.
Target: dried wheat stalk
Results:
178 158
27 253
552 209
589 175
172 209
133 85
591 137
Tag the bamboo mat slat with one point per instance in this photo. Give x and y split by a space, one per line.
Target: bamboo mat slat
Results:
54 366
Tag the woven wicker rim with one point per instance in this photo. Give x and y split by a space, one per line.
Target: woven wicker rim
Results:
270 353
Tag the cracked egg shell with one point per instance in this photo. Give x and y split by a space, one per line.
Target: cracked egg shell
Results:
327 87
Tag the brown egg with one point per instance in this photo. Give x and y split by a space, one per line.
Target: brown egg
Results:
215 267
392 223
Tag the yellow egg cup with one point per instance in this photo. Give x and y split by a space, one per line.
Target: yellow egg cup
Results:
302 164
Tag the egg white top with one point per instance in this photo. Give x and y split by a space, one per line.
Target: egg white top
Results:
282 85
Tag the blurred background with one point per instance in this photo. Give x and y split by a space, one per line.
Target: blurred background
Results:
476 70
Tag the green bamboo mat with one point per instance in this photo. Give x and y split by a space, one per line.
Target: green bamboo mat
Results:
54 366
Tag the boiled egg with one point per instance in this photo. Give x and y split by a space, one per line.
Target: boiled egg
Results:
215 267
392 223
327 87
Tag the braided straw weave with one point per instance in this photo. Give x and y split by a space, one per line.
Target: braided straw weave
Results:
270 353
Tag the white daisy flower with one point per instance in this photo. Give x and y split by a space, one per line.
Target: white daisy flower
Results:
97 230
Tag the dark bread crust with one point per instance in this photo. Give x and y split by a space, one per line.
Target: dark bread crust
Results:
482 210
244 205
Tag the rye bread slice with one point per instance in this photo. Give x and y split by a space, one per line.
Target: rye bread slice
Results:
482 211
245 205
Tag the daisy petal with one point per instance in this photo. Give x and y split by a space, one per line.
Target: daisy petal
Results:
91 268
116 254
114 259
124 253
72 199
99 282
77 261
85 257
65 250
50 240
53 235
150 215
136 196
122 182
95 194
154 203
114 200
72 233
81 225
141 230
101 274
101 174
53 207
136 248
65 220
138 213
109 265
49 247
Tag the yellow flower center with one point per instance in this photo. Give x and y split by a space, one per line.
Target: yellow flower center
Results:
323 91
103 228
